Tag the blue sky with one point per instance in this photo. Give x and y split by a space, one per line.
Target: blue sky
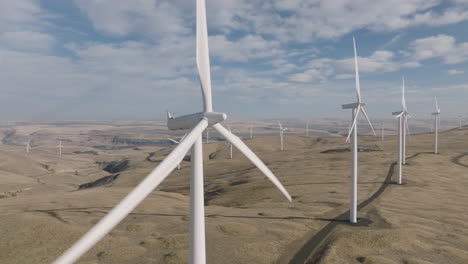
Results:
120 59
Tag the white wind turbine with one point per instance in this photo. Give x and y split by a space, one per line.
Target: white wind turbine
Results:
230 145
432 124
356 108
251 129
60 148
403 115
402 127
177 143
197 123
281 133
436 115
28 145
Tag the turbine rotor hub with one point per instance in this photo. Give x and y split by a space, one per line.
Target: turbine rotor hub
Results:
189 121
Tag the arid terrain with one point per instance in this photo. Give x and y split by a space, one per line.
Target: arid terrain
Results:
48 202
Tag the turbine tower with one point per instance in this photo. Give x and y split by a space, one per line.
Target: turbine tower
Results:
196 123
177 143
251 128
281 134
230 145
60 148
403 115
356 108
402 126
28 145
436 115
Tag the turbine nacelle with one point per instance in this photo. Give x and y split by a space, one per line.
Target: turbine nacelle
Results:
186 122
352 106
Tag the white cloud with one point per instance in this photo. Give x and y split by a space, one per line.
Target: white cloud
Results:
168 60
440 46
308 76
13 11
27 40
296 21
380 61
122 17
243 49
455 72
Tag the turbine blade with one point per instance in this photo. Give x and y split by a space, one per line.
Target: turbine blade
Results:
397 116
406 124
356 68
173 140
183 137
368 120
203 56
403 99
133 199
354 124
252 157
436 105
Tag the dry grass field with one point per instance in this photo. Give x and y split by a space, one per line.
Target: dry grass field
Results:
43 210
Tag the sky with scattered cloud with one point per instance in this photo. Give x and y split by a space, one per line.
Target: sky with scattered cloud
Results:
120 59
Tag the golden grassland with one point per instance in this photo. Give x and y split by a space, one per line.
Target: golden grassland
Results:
42 212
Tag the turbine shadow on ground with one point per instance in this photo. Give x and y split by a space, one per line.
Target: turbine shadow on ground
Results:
457 159
312 250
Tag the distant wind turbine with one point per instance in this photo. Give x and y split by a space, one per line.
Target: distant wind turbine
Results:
356 108
60 148
177 143
196 123
432 123
402 127
251 128
281 134
404 115
307 129
28 145
436 115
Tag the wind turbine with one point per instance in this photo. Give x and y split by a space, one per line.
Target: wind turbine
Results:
60 148
436 115
403 115
402 121
28 145
177 143
432 124
356 108
230 145
251 128
197 123
281 134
